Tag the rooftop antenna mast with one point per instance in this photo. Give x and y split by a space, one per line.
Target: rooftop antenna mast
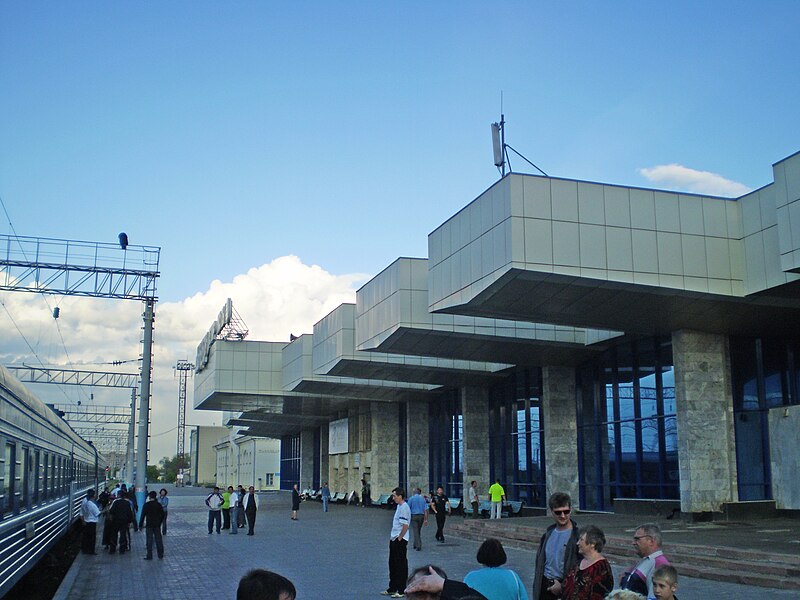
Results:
501 148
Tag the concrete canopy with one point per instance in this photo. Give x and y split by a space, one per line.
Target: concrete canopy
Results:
640 261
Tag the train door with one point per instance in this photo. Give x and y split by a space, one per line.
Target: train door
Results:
9 458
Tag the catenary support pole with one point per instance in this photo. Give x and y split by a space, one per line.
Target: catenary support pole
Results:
129 450
140 478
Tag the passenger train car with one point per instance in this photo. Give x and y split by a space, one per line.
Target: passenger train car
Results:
45 471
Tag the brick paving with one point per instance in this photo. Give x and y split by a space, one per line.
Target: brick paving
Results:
341 555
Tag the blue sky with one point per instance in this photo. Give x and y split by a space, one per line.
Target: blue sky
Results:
233 134
230 134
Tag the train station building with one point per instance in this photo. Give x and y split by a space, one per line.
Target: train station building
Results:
622 344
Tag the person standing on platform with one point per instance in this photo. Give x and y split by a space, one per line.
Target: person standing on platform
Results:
242 494
558 550
440 504
121 515
419 517
366 492
214 503
647 545
326 496
398 545
250 505
90 513
295 502
226 508
497 495
164 502
473 498
236 507
152 518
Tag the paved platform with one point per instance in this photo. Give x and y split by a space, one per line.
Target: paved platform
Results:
339 555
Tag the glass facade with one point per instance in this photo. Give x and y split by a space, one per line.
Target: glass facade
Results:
290 461
446 447
627 430
516 451
765 375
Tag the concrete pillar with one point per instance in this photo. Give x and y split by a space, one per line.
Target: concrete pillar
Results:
704 406
306 458
417 444
384 472
324 460
559 421
475 411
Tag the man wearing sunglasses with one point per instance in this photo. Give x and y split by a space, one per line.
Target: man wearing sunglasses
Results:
558 549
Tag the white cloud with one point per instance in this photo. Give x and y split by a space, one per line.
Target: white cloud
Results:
278 298
690 180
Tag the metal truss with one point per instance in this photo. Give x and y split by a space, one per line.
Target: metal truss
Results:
77 268
95 414
74 377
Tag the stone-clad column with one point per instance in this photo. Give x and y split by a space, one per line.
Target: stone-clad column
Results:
475 411
417 445
324 460
306 458
704 406
559 421
385 468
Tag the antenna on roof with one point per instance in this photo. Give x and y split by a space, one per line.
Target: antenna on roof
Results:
501 148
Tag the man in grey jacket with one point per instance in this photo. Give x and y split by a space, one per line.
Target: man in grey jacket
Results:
558 549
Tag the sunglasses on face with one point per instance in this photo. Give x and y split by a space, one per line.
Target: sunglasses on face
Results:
562 512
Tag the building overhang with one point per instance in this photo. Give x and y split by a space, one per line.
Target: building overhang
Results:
633 308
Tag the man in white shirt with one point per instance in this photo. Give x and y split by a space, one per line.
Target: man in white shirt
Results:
398 545
90 512
235 508
473 498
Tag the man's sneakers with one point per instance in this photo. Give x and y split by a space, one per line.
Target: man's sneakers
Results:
392 594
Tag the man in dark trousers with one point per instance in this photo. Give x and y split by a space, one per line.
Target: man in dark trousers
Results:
121 516
151 519
250 509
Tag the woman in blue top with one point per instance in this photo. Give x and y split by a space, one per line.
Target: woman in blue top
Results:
164 502
492 581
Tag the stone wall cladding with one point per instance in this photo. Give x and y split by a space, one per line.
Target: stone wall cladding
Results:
704 407
385 473
560 430
417 444
475 410
784 423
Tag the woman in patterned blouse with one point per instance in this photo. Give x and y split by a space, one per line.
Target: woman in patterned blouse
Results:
591 579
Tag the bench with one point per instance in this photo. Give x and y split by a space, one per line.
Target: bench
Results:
382 501
514 507
455 505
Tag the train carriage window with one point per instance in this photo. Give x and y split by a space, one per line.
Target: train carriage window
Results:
45 477
8 478
24 467
36 468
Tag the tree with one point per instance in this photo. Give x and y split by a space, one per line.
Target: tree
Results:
170 467
153 473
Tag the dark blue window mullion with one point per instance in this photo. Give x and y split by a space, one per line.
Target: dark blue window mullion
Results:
638 424
601 429
662 431
764 422
579 421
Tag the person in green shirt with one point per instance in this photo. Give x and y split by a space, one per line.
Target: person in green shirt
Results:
226 508
497 495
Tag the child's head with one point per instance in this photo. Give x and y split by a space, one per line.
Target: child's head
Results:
665 582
